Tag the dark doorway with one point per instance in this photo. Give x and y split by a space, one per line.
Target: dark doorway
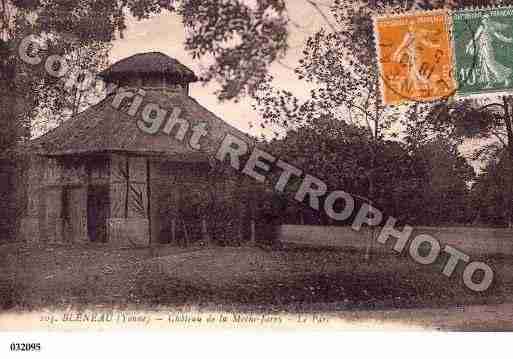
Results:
98 206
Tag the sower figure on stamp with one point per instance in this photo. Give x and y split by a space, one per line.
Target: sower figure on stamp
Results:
490 70
407 52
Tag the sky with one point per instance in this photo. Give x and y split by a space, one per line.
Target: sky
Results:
165 33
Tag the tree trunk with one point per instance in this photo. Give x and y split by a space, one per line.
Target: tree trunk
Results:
509 180
204 232
148 210
370 196
173 231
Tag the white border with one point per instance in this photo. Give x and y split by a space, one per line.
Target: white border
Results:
249 345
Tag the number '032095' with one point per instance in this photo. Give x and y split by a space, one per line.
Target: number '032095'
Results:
25 347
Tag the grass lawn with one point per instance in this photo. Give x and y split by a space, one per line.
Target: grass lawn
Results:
290 279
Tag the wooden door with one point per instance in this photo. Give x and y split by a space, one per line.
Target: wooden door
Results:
98 206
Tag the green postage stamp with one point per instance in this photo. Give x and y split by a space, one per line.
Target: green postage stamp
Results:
483 49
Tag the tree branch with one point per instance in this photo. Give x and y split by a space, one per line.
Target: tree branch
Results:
316 6
497 135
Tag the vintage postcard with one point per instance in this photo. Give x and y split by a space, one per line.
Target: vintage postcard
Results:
234 165
414 56
483 41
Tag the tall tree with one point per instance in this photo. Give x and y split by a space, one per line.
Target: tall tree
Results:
339 61
446 190
336 152
238 40
60 99
490 193
487 121
489 124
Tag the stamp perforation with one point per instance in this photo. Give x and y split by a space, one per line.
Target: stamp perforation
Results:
499 71
449 15
447 27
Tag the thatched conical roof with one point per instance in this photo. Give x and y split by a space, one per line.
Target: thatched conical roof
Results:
103 128
151 63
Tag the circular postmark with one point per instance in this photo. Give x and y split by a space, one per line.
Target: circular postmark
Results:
417 58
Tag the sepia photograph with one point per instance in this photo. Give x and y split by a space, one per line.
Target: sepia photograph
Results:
255 164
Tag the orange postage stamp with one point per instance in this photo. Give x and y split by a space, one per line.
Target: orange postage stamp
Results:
414 56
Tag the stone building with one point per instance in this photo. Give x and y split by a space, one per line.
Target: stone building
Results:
99 177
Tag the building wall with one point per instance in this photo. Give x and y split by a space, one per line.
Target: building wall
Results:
30 226
180 201
55 205
128 222
185 203
13 198
192 203
155 82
